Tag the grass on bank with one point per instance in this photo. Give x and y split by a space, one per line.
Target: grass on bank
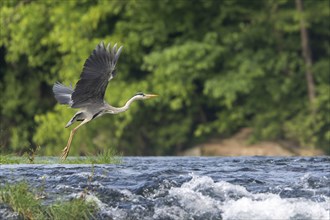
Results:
29 206
109 156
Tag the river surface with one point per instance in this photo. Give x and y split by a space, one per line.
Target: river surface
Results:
188 187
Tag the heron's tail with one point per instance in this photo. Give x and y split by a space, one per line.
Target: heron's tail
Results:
63 93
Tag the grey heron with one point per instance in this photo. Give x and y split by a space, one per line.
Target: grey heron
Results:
88 94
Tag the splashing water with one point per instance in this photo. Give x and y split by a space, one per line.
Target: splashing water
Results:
189 187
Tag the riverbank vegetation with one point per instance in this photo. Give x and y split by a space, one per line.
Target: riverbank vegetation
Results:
218 66
28 204
106 157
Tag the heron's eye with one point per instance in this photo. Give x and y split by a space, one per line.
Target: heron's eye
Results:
140 93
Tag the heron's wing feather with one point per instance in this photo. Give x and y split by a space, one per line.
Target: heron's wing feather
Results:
98 70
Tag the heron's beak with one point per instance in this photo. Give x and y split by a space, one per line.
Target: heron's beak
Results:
150 96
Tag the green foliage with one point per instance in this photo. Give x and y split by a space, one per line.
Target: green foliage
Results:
9 159
22 200
105 157
218 66
75 209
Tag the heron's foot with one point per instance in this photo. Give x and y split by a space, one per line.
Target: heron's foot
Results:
65 153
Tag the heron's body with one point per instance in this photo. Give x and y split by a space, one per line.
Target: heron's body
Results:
88 95
97 110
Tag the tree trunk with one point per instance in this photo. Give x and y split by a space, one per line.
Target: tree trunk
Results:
306 52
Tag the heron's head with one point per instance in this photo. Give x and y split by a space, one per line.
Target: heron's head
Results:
141 95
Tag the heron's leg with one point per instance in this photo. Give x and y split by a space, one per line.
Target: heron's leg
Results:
66 150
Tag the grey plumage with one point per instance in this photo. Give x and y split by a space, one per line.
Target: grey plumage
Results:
62 93
98 69
88 94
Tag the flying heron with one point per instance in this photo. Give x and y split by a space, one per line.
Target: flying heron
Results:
88 95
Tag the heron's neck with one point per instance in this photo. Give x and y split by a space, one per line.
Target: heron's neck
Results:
126 106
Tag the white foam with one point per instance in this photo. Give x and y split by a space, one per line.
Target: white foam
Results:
167 212
235 202
274 207
195 201
105 210
202 198
61 187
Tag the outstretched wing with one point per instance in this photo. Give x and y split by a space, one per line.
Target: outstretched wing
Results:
98 70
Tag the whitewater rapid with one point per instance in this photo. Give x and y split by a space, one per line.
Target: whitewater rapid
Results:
188 187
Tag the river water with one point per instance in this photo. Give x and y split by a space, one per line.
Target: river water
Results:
188 187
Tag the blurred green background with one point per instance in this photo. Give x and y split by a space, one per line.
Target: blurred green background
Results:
218 66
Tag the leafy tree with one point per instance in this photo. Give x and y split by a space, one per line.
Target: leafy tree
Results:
218 66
